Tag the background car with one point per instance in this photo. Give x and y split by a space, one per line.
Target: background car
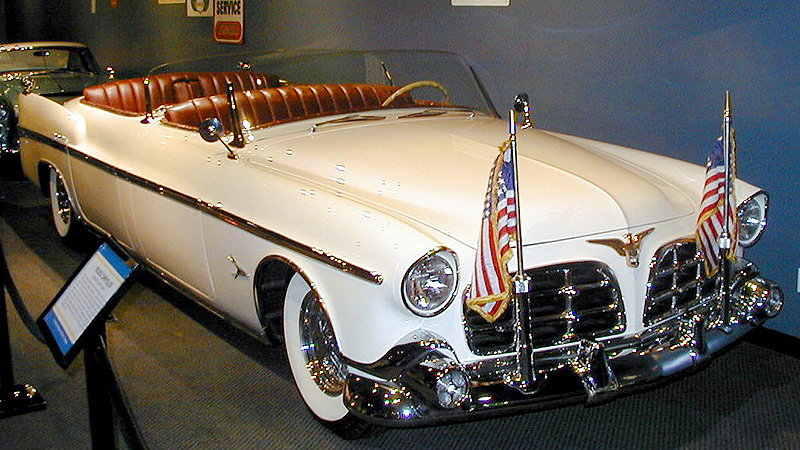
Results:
333 202
57 70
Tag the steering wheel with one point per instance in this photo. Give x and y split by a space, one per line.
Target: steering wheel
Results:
415 85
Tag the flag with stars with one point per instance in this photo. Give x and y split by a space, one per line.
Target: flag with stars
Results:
491 288
710 224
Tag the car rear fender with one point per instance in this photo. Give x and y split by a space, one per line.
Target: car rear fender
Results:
43 124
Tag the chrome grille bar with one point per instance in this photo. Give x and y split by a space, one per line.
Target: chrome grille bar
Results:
568 302
677 281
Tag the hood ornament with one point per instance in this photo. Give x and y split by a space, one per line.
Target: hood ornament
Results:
628 246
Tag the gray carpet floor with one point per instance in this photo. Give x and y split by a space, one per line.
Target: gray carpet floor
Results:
194 382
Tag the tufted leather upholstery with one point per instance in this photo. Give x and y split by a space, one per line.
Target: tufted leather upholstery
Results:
264 107
127 96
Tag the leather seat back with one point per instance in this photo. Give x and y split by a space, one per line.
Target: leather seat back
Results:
265 107
127 96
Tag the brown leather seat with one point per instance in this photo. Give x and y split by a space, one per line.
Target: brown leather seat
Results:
127 96
265 107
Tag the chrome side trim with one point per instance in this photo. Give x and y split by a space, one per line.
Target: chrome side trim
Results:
212 210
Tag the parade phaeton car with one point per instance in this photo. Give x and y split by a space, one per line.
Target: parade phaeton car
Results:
310 200
58 70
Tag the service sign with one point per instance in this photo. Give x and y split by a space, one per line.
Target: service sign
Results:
229 21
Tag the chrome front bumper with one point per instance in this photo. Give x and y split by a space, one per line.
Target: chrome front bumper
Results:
422 382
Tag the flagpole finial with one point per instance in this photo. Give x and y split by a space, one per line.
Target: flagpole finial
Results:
728 110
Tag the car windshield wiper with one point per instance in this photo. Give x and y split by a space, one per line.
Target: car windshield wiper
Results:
347 119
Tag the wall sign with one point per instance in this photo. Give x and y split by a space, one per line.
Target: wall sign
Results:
199 8
229 21
480 2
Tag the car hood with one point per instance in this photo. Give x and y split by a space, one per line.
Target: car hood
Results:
434 172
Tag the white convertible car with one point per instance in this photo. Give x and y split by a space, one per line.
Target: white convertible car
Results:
312 202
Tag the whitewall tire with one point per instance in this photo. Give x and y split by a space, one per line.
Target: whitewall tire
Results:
62 210
318 367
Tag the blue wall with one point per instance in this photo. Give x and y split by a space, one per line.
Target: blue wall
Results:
646 74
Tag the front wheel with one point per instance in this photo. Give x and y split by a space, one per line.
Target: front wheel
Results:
317 365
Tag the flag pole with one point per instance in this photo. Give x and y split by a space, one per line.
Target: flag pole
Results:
521 280
725 241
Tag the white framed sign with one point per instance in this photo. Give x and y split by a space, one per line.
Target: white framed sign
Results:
480 2
229 21
199 8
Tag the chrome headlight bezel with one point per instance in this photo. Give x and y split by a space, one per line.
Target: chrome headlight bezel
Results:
440 265
752 218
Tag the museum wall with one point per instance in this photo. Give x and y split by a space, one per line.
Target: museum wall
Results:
646 74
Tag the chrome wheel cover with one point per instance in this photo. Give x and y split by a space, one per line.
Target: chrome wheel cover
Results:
320 350
62 201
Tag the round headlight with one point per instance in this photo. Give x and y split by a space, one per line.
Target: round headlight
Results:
752 217
430 283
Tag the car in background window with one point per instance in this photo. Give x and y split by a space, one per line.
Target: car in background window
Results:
57 70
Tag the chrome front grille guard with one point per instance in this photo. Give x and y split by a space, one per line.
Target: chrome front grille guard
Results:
423 382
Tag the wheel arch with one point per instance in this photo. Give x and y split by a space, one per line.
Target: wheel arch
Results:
270 283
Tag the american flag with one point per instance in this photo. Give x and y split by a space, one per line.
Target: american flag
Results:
491 287
709 223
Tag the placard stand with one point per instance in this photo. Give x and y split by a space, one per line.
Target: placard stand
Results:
75 321
15 399
106 400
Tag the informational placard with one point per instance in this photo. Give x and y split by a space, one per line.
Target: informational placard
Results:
85 301
229 21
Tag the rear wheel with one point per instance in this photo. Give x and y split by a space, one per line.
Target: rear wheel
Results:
317 365
65 221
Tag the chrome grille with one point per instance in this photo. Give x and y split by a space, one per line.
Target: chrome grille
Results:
677 281
568 302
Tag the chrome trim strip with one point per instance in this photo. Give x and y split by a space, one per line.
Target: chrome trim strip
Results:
214 211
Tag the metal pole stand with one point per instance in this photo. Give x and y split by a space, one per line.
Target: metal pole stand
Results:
15 399
110 417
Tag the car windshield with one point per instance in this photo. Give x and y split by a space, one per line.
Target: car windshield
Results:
386 67
46 59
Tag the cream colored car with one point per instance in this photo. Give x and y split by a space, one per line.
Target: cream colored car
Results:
337 214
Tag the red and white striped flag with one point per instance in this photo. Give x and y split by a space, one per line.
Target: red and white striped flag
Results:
491 288
710 222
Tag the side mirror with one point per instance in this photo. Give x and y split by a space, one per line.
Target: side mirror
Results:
521 101
522 105
211 130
